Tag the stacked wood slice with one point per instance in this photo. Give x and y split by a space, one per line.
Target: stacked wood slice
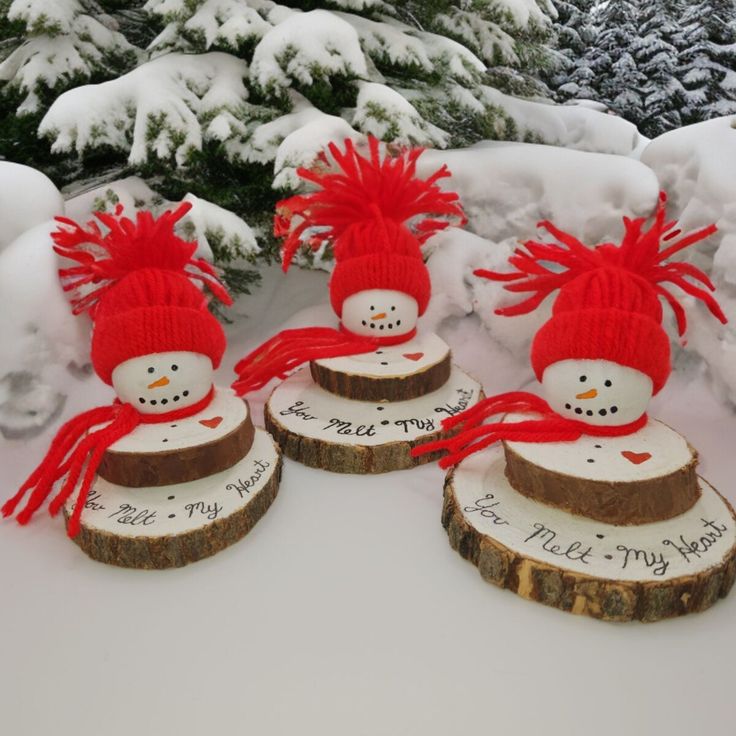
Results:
615 528
172 493
364 413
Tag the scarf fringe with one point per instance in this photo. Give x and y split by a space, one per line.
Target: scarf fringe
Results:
469 434
73 447
289 349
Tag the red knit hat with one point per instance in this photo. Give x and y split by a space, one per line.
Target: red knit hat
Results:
364 211
147 301
608 304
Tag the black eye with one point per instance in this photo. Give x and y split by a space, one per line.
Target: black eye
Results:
150 370
174 367
393 309
583 379
372 308
607 383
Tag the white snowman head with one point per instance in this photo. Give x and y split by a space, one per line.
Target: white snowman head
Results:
597 392
162 382
380 313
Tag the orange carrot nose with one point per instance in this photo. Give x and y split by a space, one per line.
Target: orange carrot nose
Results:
380 315
588 394
163 381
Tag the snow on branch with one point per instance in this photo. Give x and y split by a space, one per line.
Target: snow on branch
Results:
164 109
305 47
223 23
63 44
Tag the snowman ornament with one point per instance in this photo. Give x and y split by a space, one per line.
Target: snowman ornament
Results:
577 498
158 474
375 385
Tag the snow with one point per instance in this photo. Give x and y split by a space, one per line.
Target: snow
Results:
40 337
383 112
572 126
27 198
223 22
692 166
65 43
306 46
158 109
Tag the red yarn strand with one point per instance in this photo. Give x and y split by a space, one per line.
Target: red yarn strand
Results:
639 253
470 435
360 187
128 245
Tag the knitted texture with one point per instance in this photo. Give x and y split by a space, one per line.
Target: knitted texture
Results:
377 213
608 306
145 300
136 282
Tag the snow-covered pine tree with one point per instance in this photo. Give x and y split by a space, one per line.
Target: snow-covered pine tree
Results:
574 34
616 29
227 97
655 54
708 60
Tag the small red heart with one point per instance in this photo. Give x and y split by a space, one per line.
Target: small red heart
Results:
414 356
636 457
211 423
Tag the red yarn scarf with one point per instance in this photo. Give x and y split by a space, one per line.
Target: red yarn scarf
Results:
76 444
474 436
291 348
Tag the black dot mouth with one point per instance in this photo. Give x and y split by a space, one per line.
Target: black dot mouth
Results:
154 402
380 327
364 323
176 398
141 399
373 325
390 325
578 410
164 401
185 393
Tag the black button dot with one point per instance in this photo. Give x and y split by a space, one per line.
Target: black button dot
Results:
171 516
602 412
600 536
150 370
141 399
164 440
607 383
583 379
567 406
383 362
171 498
175 367
154 402
176 398
608 557
380 408
185 393
614 409
589 412
164 401
379 352
385 421
174 425
578 410
598 446
590 460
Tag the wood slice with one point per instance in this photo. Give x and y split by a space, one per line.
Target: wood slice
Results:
391 373
643 477
322 430
170 526
184 450
617 573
